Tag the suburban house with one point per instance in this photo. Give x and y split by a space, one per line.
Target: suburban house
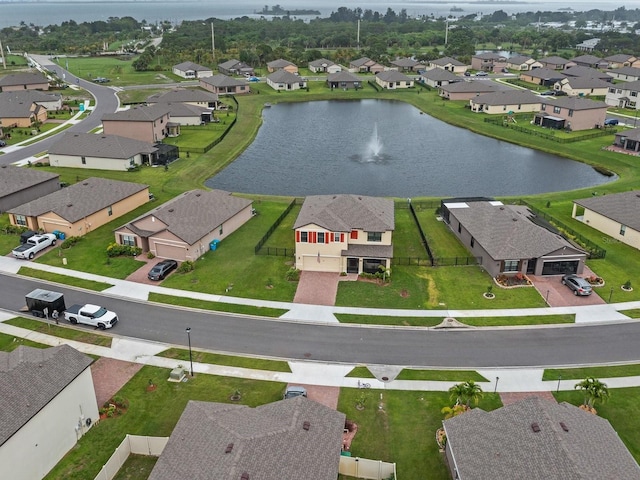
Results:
294 438
588 45
225 85
23 81
19 185
448 63
555 63
466 90
626 74
506 102
627 140
235 67
284 80
81 207
344 233
587 72
571 113
508 240
149 123
535 439
407 65
322 65
102 152
590 61
17 113
393 80
616 215
47 403
282 64
437 77
50 101
522 63
582 86
542 76
191 70
622 60
343 80
624 95
488 62
189 96
184 228
365 65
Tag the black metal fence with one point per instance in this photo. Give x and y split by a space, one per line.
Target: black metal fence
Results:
276 251
208 147
549 134
423 237
258 249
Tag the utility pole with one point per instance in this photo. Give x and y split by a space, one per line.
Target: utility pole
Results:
358 36
213 43
446 31
4 62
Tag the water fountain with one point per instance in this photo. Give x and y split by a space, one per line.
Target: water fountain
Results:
375 144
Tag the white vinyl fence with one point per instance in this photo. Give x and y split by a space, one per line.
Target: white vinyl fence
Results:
365 468
131 444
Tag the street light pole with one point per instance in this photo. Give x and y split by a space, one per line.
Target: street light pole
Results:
495 389
188 330
559 379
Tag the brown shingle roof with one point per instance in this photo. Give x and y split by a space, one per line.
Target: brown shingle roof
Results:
100 146
142 113
576 103
24 78
623 208
13 179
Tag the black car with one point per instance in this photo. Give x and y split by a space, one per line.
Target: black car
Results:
162 269
3 143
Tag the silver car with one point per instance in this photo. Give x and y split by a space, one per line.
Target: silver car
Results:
578 284
293 391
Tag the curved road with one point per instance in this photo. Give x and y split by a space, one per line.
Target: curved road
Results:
480 348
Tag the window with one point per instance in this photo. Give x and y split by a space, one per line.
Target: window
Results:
459 227
220 230
84 160
304 237
634 94
556 109
109 210
129 240
510 266
473 242
374 236
544 107
20 220
613 90
570 113
336 237
320 237
623 228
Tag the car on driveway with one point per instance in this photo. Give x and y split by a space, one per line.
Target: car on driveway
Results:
547 93
293 391
161 269
578 284
611 121
3 143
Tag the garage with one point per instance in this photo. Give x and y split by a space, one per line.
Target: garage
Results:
560 267
314 263
173 252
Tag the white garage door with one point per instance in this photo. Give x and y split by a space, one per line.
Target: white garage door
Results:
171 251
326 264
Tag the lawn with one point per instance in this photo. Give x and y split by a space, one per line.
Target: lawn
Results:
227 360
50 328
8 343
64 279
217 306
609 371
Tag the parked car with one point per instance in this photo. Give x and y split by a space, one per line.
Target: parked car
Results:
482 74
293 391
161 269
611 121
547 93
559 93
578 284
3 143
467 74
253 79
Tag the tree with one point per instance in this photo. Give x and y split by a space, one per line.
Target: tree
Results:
457 393
473 392
594 391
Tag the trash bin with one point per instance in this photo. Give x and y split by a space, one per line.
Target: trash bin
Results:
214 245
57 233
62 236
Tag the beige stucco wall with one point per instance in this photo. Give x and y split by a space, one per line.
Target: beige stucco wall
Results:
287 86
22 122
150 132
40 444
393 85
503 109
581 119
17 88
576 92
93 162
612 228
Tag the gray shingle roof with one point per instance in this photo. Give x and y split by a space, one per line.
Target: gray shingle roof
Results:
571 445
554 60
508 97
229 64
588 72
393 76
24 78
587 59
623 208
30 378
619 57
630 71
184 66
29 96
506 231
342 76
268 442
280 63
585 82
375 251
343 213
178 109
440 74
360 61
13 179
100 146
80 199
576 103
447 61
321 62
183 95
195 213
519 59
490 56
404 62
141 113
222 80
544 74
469 87
282 76
17 108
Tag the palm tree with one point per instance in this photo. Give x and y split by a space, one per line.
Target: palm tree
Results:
594 391
473 392
458 392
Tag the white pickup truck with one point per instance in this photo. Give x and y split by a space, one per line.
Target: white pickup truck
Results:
91 315
33 245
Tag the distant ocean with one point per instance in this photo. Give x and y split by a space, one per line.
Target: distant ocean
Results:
43 12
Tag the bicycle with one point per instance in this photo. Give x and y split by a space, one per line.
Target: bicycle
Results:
363 385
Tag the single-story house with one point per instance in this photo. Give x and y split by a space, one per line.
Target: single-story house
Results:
393 80
582 86
284 80
295 438
344 233
624 95
448 63
47 402
555 63
588 45
535 439
628 140
19 185
81 207
616 215
23 81
587 72
365 65
225 85
17 113
466 90
571 113
437 77
50 101
542 76
522 63
235 67
622 60
508 240
189 96
322 65
488 62
590 61
102 152
407 65
149 123
191 70
343 80
506 102
184 228
626 74
281 64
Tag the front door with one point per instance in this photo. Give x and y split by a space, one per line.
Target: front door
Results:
531 266
353 265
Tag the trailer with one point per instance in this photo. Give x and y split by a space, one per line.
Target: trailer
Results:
41 303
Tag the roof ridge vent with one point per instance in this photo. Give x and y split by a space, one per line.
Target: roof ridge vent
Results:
306 425
564 426
171 210
229 448
244 476
535 427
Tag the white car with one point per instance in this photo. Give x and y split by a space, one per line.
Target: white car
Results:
33 245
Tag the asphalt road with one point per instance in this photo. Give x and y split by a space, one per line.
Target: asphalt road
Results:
484 348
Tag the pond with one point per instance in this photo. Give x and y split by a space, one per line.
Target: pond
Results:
389 148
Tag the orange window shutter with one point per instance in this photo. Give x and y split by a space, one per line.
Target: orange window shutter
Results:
342 237
326 237
298 236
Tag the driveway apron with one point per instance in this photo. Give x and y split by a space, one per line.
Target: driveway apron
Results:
317 288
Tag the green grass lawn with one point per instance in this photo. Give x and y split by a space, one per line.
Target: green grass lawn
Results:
8 343
228 360
609 371
50 328
136 467
441 375
217 306
64 279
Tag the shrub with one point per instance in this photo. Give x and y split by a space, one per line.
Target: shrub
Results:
70 242
150 255
186 266
293 274
627 285
13 230
117 250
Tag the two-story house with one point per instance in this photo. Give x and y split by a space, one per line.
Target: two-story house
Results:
571 113
145 123
623 95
